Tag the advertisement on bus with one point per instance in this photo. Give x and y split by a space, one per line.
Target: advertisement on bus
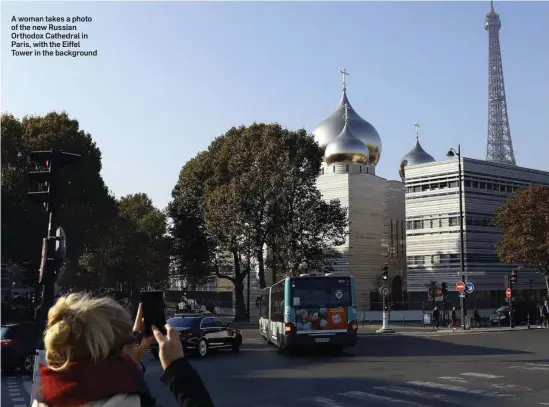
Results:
321 304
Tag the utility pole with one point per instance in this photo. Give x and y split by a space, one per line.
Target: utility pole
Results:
47 174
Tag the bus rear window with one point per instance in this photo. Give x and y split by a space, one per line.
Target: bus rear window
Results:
320 291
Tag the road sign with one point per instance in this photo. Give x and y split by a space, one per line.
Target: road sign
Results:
508 293
462 294
469 288
460 286
385 291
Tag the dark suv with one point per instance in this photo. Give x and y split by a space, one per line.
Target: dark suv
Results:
19 340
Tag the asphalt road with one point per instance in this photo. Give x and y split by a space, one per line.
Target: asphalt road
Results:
413 370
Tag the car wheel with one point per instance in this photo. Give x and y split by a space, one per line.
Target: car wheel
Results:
202 347
27 366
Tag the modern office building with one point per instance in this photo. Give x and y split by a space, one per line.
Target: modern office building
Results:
432 225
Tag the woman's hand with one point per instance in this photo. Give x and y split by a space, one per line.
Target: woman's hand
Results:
137 351
169 345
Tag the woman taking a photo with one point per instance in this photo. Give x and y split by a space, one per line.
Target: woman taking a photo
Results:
94 358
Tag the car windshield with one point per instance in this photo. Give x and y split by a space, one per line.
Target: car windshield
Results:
180 322
321 291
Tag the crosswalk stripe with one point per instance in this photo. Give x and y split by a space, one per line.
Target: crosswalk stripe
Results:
533 368
538 364
453 379
511 387
323 401
376 397
461 389
485 376
415 393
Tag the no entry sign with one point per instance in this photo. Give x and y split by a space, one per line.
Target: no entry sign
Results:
508 293
460 286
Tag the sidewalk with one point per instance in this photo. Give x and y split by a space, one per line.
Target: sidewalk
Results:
412 329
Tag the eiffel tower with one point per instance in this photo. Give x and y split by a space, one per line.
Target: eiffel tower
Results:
499 146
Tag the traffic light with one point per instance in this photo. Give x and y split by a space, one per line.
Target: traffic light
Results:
385 272
513 278
54 252
444 291
48 164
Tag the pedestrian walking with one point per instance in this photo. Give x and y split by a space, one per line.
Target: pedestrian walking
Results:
453 319
545 314
476 317
436 315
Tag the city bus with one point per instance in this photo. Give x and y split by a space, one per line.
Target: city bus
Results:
308 311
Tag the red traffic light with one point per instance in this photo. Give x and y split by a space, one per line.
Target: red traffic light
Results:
513 272
47 163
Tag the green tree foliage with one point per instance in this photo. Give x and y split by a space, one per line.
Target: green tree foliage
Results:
135 253
192 254
524 220
87 206
256 186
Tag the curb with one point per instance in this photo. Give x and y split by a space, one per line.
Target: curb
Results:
446 331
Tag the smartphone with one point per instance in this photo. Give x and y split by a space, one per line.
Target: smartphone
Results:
153 311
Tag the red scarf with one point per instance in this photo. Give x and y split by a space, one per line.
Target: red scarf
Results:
85 382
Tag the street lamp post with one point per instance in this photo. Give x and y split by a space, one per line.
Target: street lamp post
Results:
453 153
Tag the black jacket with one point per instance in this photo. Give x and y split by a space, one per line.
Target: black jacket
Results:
186 385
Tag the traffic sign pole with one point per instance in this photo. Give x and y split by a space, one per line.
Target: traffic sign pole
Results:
385 292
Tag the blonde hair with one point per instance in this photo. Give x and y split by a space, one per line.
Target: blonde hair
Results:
83 328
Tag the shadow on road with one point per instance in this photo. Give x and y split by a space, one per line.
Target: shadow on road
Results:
403 346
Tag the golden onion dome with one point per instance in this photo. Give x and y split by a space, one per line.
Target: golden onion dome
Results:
328 130
346 148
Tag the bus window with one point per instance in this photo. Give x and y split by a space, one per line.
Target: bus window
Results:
264 304
277 303
321 291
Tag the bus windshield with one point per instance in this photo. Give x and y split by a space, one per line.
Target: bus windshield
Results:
321 291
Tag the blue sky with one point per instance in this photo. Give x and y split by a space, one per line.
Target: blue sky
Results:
172 76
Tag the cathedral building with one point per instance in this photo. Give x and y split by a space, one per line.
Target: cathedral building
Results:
376 236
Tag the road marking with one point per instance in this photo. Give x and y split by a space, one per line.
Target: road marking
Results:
454 379
20 405
324 401
18 399
485 376
415 393
28 386
457 389
376 397
530 367
15 394
511 386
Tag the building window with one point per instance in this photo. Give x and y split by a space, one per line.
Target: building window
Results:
347 168
453 221
322 171
361 169
453 184
418 224
334 168
467 183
